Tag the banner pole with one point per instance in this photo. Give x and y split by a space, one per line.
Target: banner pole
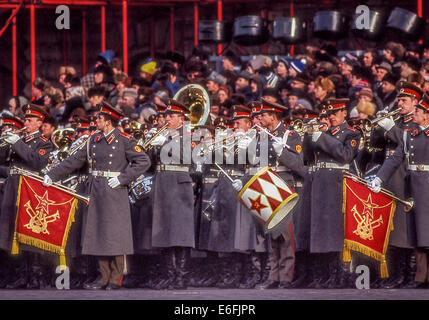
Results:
55 185
409 204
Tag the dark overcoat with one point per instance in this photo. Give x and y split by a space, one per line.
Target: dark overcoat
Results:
106 227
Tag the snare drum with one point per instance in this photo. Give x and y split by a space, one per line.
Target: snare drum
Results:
269 199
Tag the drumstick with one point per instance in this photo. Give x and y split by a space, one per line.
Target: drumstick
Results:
223 171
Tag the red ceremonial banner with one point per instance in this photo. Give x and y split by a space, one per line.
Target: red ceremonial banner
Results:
368 220
44 217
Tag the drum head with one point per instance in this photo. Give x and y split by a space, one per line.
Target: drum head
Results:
281 218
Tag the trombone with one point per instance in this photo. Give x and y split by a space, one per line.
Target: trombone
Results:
369 125
310 127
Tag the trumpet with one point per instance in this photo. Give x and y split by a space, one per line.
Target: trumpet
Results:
7 133
369 125
310 127
148 144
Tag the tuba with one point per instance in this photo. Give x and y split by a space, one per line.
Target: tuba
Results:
196 98
62 140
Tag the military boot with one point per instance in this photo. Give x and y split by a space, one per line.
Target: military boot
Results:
182 258
320 268
397 279
410 282
229 278
252 271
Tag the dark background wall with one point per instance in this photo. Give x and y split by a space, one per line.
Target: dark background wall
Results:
63 47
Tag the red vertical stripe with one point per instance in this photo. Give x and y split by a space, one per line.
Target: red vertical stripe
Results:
103 28
33 42
219 18
14 60
420 13
292 14
125 35
196 24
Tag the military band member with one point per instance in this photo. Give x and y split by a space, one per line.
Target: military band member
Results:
83 268
334 151
285 158
400 256
30 152
8 124
173 197
250 238
114 160
413 151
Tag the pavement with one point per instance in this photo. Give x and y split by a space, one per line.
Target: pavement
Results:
218 294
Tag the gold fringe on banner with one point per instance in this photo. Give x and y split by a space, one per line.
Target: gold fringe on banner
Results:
383 269
346 255
28 240
15 245
63 264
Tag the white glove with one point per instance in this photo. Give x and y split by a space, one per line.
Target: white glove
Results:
237 185
151 132
315 136
278 145
6 132
159 141
375 185
12 138
113 182
221 134
243 143
387 123
47 181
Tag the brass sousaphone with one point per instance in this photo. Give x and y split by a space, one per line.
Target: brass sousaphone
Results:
196 98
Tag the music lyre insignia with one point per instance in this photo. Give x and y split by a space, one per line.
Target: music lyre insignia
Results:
365 220
40 218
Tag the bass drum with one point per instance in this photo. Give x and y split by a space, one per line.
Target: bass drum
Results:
140 190
407 23
289 30
250 31
376 26
330 25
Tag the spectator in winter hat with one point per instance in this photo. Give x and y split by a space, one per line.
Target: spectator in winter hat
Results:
365 94
214 81
382 69
296 67
409 65
128 101
103 74
256 87
223 94
39 86
95 96
148 69
282 69
417 79
293 96
388 89
365 110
